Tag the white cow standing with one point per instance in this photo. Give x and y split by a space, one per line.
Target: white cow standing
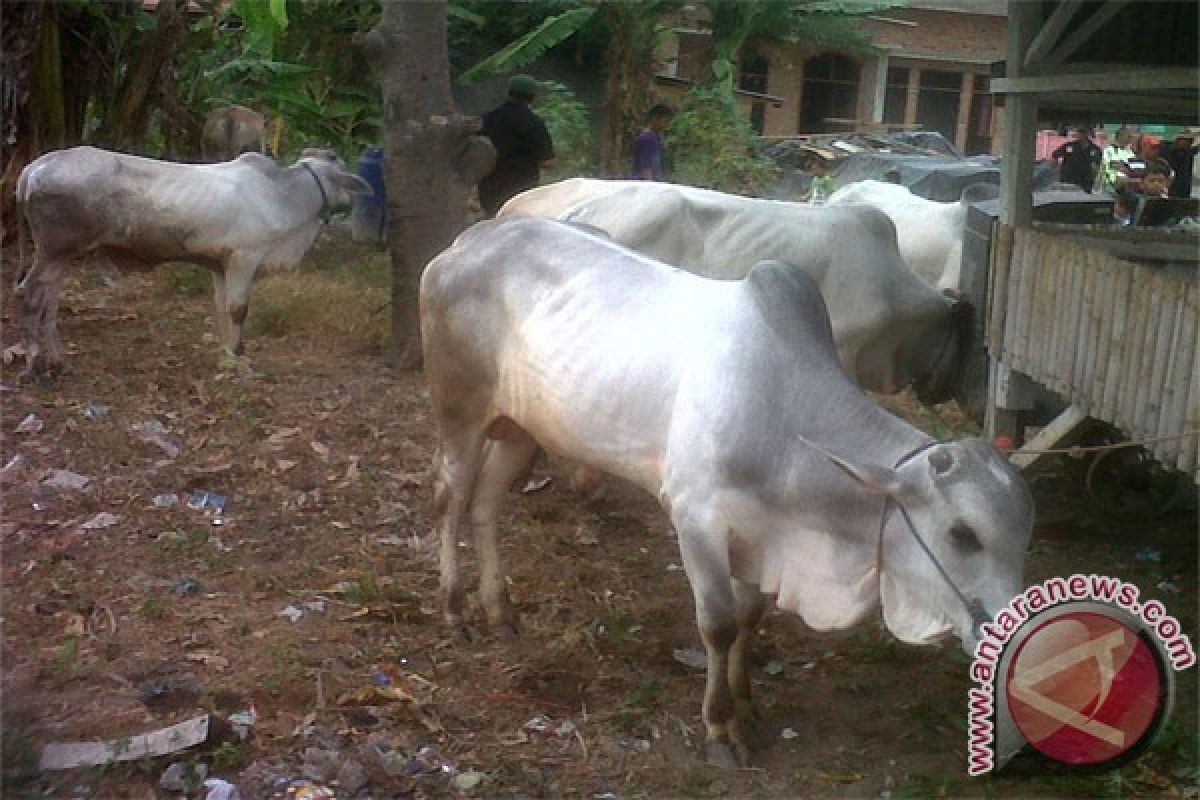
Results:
726 401
891 328
233 217
930 234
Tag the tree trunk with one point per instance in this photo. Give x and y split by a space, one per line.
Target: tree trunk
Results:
630 65
432 158
127 124
33 114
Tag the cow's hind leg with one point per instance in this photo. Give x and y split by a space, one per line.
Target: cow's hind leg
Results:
508 456
460 457
39 316
751 604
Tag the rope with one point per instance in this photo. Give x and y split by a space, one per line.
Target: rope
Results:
1096 448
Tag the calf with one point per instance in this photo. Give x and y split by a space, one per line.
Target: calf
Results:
233 218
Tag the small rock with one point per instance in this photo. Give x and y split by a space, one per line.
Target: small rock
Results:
94 411
320 765
221 790
352 776
292 613
31 424
788 733
466 781
66 481
9 472
691 657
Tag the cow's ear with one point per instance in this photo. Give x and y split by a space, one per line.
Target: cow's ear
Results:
352 184
875 477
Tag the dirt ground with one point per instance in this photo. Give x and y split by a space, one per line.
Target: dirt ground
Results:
122 615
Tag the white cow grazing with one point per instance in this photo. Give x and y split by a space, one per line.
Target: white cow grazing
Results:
726 401
891 328
233 218
930 233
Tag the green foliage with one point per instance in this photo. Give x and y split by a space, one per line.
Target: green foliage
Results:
711 144
531 46
567 120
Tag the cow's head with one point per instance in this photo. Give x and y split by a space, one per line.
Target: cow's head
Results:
337 185
974 515
942 380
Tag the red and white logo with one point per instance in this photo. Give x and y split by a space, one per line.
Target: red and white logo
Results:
1084 688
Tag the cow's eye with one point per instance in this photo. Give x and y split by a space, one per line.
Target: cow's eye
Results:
965 539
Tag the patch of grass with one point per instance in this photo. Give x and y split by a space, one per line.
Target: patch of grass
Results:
67 664
229 756
151 610
188 280
320 308
645 696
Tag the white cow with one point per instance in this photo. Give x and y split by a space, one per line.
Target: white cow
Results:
233 217
891 328
726 401
930 233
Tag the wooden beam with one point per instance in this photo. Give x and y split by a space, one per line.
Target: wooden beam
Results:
1130 80
1181 109
1048 437
1047 37
1084 32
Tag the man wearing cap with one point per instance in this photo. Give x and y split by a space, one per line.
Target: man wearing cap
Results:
522 143
1181 156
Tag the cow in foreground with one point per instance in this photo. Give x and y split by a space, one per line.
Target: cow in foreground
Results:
930 233
230 131
726 401
233 218
891 328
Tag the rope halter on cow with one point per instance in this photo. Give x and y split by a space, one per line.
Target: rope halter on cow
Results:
974 606
326 209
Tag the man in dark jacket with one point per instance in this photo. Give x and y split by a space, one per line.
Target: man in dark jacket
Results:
1080 159
522 143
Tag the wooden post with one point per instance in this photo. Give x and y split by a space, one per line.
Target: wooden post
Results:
1009 392
881 73
910 99
965 91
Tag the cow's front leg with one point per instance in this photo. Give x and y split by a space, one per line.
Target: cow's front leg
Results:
706 560
239 274
508 456
751 604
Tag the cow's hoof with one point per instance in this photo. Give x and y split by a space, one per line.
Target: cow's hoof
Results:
725 755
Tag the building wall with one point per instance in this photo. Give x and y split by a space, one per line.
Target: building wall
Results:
960 45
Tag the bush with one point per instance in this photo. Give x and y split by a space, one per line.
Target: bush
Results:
567 120
711 144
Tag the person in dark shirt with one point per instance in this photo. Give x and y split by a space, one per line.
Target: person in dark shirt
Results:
1181 156
1079 160
523 146
648 152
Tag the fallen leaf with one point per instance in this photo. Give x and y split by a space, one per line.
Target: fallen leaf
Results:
320 449
281 437
102 520
217 662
